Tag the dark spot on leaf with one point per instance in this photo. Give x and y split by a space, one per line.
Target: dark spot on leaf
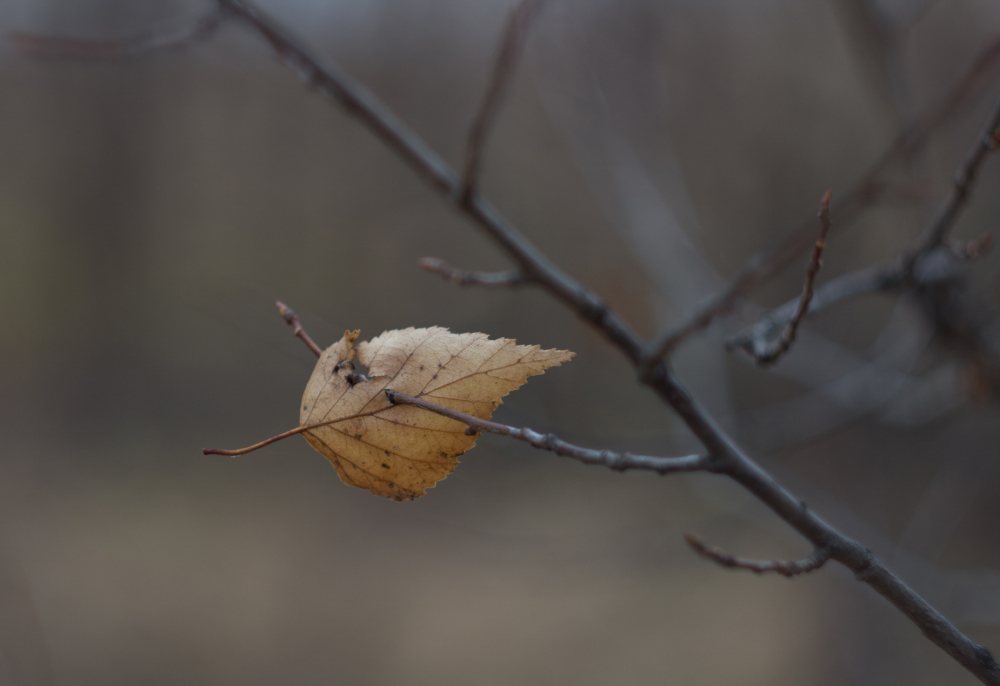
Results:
435 376
421 367
358 435
443 453
385 466
439 366
387 452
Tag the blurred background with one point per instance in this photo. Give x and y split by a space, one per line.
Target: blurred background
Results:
152 211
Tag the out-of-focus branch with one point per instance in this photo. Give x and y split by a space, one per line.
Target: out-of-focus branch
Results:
876 50
868 190
928 261
120 49
515 31
938 265
964 180
619 462
787 568
460 277
292 320
768 352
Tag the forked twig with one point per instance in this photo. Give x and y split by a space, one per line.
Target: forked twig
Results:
906 270
864 193
788 568
460 277
768 352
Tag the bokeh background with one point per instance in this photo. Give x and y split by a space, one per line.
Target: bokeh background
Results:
152 211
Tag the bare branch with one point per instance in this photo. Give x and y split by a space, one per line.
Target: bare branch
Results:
292 320
963 182
928 261
727 458
770 352
756 338
787 568
865 192
938 265
459 277
117 50
619 462
515 31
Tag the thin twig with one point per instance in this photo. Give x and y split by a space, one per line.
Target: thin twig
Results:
460 277
619 462
292 320
920 266
770 352
940 264
865 192
787 568
962 183
515 31
117 49
288 434
726 456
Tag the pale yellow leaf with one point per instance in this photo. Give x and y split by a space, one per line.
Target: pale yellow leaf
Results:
399 451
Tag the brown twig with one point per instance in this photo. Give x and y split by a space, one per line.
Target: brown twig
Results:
865 192
727 457
619 462
459 277
288 434
767 353
293 321
515 31
787 568
120 49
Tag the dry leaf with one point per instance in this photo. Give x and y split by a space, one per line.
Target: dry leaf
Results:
398 451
